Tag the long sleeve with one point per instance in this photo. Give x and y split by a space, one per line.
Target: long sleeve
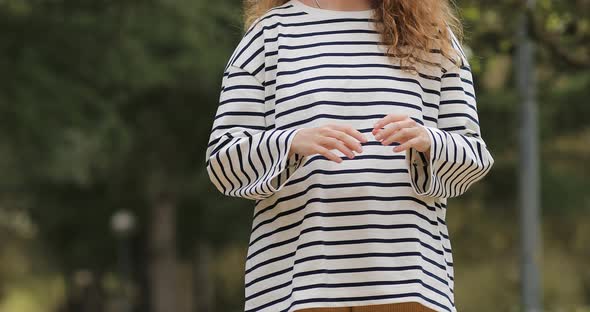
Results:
246 157
459 156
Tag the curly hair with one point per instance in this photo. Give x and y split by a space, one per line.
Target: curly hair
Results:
410 28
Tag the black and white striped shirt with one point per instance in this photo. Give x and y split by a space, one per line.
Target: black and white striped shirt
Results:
369 230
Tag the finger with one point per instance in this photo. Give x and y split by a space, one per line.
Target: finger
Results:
402 135
326 153
333 143
409 143
352 132
388 119
393 127
347 139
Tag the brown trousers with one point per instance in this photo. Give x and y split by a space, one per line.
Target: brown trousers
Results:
395 307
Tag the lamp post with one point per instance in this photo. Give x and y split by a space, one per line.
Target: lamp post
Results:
529 166
123 225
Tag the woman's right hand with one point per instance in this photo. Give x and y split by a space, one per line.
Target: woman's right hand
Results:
320 140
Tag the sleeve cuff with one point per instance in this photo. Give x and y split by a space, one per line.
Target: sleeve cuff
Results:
288 165
422 166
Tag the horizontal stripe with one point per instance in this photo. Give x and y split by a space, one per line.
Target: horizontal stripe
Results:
349 90
314 105
345 228
369 77
321 33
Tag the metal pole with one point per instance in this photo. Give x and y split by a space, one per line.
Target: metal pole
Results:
529 168
125 272
123 225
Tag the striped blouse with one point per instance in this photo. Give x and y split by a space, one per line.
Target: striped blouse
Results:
368 230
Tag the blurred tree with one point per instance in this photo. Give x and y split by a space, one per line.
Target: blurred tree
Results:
104 110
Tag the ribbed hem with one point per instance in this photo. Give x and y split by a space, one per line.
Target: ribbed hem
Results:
395 307
392 307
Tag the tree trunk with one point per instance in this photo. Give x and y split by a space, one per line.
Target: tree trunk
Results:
163 262
204 285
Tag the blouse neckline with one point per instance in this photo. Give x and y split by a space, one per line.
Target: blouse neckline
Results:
331 13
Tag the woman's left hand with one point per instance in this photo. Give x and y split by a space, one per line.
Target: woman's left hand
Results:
404 130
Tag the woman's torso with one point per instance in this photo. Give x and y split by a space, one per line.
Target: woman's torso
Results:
353 229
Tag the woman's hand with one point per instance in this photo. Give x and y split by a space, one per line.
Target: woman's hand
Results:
404 130
322 139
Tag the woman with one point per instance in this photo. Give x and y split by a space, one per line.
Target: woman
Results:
350 124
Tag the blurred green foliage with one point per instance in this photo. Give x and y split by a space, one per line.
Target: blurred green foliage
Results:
107 105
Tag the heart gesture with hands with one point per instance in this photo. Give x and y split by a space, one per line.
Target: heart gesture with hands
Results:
402 129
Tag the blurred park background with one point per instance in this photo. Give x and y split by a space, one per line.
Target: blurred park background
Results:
105 112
